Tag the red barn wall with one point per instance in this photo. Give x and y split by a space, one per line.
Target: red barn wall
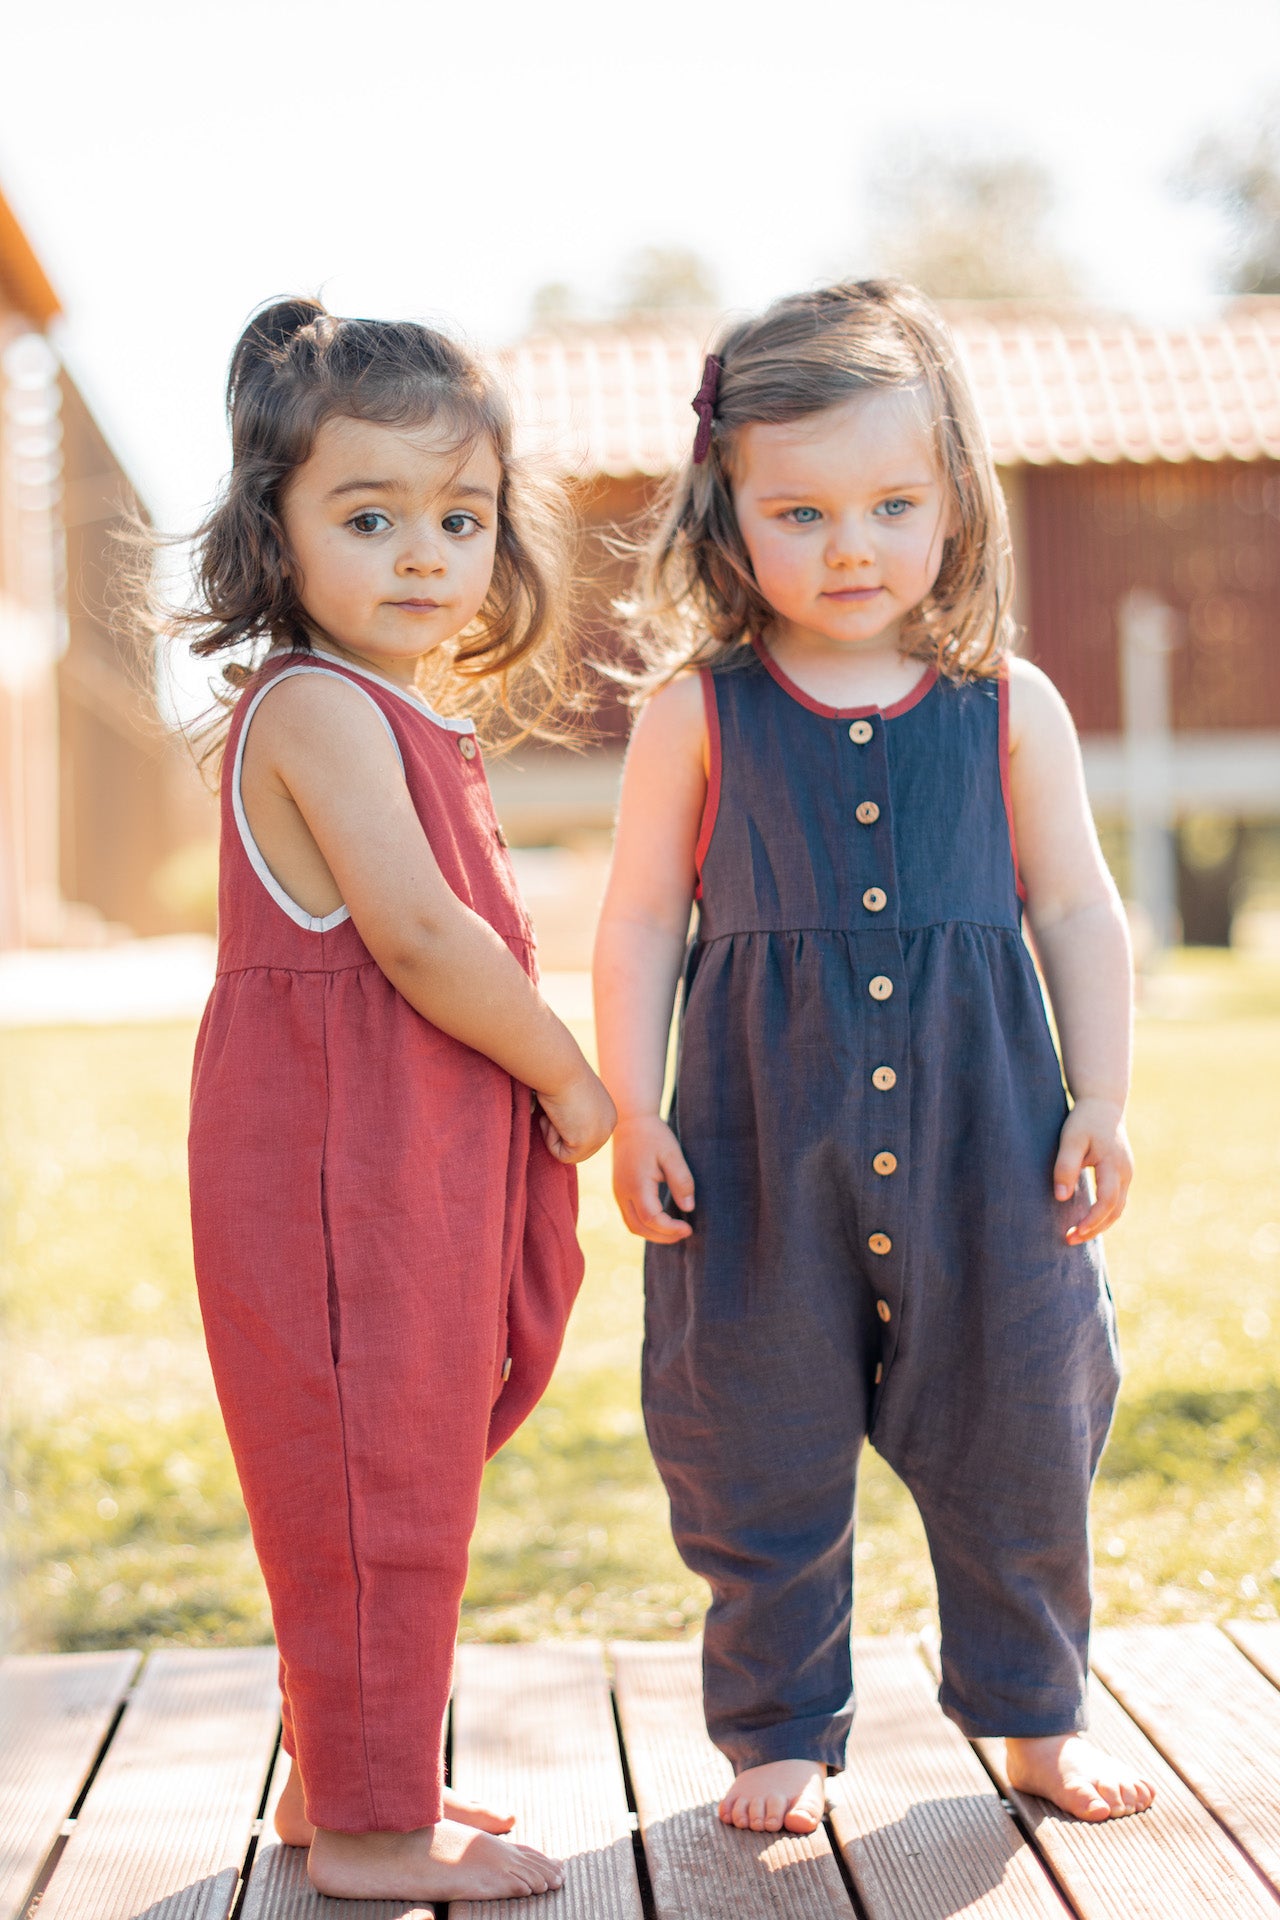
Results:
1204 537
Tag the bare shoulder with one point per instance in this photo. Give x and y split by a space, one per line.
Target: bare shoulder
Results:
677 707
673 721
1038 714
322 716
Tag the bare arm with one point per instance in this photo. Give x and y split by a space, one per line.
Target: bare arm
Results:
332 755
1082 941
644 924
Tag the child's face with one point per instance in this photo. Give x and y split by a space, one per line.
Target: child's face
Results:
844 515
391 538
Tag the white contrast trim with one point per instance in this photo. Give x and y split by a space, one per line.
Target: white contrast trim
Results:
309 922
414 699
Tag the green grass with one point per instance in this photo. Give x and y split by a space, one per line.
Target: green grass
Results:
126 1525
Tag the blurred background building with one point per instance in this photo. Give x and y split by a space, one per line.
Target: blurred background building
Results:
96 796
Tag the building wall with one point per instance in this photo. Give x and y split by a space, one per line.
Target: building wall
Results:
1204 538
125 808
31 633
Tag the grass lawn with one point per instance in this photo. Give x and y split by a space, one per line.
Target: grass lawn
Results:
126 1525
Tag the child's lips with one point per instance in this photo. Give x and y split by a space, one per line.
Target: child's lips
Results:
417 606
852 595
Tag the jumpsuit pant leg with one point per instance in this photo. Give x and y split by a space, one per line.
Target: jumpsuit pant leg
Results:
353 1289
999 1449
756 1424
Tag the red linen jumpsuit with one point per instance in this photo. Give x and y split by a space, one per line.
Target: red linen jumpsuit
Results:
386 1260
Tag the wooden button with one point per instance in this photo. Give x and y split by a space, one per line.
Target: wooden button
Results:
881 987
467 746
860 732
506 1368
884 1078
884 1309
879 1371
500 836
880 1243
885 1163
867 813
875 900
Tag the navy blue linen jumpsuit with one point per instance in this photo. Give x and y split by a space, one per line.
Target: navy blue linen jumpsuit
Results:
870 1101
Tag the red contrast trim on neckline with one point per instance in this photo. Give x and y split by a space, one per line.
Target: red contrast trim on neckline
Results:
1002 690
910 699
711 805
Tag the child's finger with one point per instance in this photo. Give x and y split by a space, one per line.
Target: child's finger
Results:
1105 1207
644 1214
675 1171
656 1226
1069 1164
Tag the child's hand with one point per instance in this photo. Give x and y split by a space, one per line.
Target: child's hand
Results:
645 1154
577 1119
1094 1136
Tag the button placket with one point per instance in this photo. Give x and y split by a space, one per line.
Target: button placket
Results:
873 901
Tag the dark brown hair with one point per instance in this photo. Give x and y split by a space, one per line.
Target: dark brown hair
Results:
697 598
296 366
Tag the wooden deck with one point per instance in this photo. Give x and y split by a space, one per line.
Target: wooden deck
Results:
132 1790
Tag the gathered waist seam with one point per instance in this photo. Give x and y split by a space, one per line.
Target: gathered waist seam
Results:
922 926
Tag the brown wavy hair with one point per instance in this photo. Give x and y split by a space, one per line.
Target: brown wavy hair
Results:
697 601
296 366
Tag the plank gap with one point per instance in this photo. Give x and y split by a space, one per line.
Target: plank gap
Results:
648 1908
842 1868
256 1830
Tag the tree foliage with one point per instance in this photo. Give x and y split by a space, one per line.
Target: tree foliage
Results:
969 227
1239 174
652 279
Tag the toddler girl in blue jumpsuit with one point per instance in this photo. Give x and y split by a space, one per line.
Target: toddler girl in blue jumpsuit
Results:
888 1230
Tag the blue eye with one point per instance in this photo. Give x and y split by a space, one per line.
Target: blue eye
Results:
366 522
802 516
894 509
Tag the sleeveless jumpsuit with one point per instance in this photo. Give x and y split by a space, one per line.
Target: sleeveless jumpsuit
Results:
869 1098
386 1259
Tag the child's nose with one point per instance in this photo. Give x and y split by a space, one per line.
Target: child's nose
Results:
850 541
422 553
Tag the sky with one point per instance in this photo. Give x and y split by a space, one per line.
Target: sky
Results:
175 164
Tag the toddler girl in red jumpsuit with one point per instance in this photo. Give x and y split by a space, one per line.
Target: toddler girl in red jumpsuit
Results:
385 1112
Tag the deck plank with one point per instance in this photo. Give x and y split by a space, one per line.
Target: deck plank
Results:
166 1824
1173 1862
55 1712
1214 1717
533 1732
921 1827
1260 1641
697 1865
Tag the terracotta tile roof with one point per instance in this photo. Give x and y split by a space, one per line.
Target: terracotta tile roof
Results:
1053 388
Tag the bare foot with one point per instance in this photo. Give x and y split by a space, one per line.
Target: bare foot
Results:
295 1830
785 1793
444 1862
1077 1776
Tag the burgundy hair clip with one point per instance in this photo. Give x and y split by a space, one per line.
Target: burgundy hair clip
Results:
704 405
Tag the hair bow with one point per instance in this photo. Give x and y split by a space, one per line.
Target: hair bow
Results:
704 405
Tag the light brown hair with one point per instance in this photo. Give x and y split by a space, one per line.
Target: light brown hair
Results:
297 366
697 600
